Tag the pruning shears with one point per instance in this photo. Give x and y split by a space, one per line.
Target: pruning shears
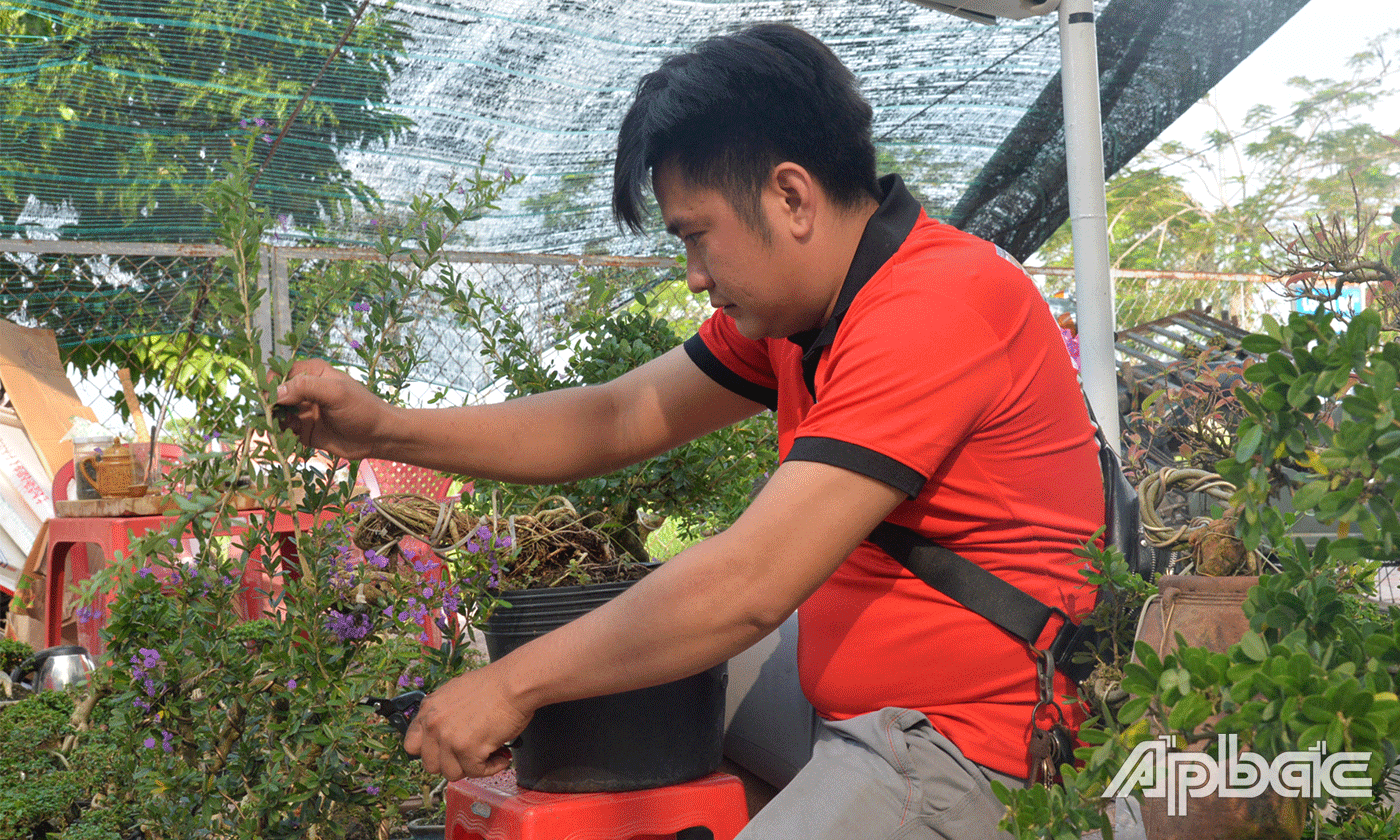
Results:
399 711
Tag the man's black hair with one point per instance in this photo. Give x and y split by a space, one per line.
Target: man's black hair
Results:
736 106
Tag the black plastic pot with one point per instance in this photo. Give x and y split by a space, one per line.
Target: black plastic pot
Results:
427 828
634 740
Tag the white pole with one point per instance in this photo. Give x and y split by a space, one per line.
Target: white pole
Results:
1093 288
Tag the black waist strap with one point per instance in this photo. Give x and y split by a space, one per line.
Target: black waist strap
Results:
989 596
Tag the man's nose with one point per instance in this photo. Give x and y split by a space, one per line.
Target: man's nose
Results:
696 278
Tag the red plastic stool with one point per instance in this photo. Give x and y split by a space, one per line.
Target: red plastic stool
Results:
496 809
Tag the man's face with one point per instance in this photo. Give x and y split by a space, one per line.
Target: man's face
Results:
755 279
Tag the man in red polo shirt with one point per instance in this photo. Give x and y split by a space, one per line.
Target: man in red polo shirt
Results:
918 378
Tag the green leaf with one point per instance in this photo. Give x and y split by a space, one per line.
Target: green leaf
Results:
1249 442
1190 713
1383 376
1302 390
1261 344
1254 647
1305 498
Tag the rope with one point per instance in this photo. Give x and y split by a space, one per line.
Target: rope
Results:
1155 486
389 518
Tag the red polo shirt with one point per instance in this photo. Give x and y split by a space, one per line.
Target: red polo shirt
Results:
942 373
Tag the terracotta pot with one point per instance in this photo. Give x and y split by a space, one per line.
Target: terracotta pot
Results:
1265 817
1208 612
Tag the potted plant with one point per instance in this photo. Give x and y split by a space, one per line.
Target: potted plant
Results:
532 572
1315 673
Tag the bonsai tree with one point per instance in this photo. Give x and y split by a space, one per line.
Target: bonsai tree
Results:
239 651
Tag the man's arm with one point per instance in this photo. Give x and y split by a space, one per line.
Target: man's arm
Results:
543 438
696 610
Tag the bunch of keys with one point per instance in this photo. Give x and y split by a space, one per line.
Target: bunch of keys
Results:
1053 746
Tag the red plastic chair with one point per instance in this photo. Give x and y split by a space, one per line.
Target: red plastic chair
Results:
385 477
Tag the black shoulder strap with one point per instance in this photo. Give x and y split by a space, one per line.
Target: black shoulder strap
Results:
985 594
1004 605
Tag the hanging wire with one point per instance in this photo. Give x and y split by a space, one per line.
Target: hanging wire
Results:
974 77
311 88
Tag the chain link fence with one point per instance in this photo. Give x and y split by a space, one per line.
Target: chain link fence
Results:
138 324
1141 296
148 309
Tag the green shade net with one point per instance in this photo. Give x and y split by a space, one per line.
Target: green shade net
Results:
119 112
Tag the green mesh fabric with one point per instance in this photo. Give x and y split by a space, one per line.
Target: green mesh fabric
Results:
118 113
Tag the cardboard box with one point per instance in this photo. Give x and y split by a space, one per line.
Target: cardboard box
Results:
38 387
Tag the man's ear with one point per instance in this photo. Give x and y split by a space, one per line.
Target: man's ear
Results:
798 195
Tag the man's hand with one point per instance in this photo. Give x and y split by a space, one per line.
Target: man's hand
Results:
329 410
462 728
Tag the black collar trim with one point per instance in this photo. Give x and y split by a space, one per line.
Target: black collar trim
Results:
883 236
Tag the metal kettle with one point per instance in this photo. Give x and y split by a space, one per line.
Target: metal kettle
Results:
54 668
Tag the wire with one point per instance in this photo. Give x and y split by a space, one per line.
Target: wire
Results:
349 30
974 77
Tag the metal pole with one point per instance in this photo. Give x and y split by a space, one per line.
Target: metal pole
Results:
281 295
1093 288
262 317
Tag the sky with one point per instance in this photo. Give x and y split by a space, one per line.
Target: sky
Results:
1316 43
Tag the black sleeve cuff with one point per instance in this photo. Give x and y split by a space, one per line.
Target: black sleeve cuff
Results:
715 369
858 459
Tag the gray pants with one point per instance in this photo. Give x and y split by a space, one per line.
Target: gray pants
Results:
887 774
882 776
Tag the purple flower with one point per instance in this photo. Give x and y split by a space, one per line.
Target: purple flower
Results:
165 741
503 541
424 566
355 345
360 306
259 122
507 174
427 592
149 743
348 626
267 138
291 684
145 571
372 790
